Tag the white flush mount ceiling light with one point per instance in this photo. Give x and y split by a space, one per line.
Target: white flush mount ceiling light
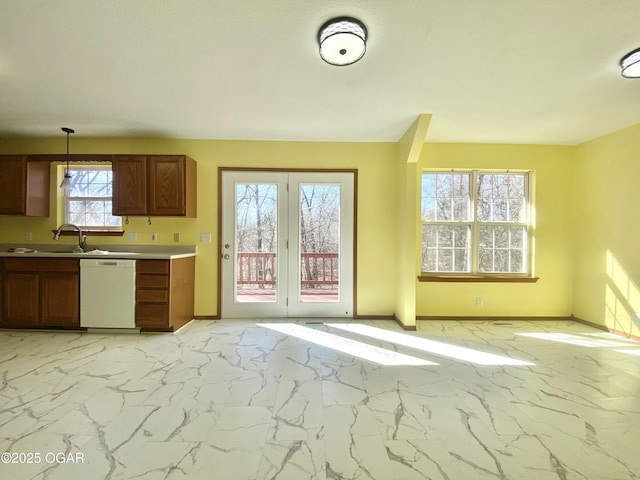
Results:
342 40
630 64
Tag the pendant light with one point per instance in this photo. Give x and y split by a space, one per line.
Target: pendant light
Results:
66 181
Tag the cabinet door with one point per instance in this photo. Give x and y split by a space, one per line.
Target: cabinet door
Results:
24 186
13 184
37 189
20 299
129 185
167 185
60 298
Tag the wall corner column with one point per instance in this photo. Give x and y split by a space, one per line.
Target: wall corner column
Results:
409 148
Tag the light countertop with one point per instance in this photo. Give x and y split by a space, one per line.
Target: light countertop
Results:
133 252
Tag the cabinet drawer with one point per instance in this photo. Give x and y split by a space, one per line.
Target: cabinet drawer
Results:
153 266
152 296
152 281
41 265
152 316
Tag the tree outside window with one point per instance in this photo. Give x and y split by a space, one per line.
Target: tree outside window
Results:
88 200
476 222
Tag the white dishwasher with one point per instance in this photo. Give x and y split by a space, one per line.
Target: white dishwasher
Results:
107 293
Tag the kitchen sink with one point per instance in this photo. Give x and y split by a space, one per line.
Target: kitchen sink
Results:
91 252
113 253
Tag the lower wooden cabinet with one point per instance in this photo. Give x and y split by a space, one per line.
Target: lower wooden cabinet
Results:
59 299
20 299
45 293
164 293
40 293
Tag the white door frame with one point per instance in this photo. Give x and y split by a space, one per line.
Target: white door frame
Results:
288 302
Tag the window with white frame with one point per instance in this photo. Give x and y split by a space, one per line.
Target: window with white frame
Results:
476 222
87 203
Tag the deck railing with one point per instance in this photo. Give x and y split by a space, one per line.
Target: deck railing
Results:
258 269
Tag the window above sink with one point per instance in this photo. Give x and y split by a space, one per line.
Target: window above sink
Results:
87 202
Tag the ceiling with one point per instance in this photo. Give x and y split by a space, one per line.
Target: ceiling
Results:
499 71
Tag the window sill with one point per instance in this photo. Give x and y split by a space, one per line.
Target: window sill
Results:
477 278
91 233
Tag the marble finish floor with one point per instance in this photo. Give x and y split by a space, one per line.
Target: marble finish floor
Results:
275 400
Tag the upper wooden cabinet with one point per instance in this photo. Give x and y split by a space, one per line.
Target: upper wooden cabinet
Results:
129 185
24 186
154 185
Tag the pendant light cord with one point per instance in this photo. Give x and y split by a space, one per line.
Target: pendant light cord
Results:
67 131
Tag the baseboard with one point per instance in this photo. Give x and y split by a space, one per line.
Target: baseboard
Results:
356 317
590 324
373 317
408 328
492 318
604 328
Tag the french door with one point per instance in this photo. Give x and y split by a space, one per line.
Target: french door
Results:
287 244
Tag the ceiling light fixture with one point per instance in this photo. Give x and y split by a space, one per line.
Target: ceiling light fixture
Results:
630 64
342 40
66 181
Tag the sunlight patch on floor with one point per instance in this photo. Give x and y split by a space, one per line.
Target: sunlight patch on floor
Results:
583 341
630 352
362 350
431 346
610 336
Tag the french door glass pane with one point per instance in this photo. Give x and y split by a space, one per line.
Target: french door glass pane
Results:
256 242
319 243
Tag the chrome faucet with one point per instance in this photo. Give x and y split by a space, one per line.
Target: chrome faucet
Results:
82 239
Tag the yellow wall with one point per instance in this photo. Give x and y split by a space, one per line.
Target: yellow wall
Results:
607 231
586 251
552 294
377 191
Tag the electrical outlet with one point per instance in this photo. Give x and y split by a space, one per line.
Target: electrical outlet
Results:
205 237
28 236
479 302
132 237
154 237
176 237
